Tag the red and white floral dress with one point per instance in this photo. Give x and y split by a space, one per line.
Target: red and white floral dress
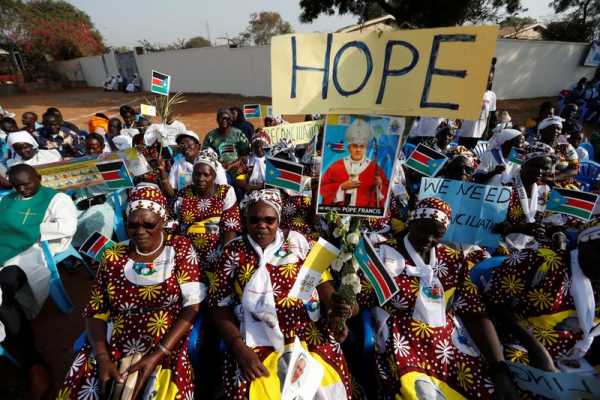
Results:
205 220
140 303
237 266
414 359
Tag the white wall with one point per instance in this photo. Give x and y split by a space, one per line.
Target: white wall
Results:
245 71
525 69
533 68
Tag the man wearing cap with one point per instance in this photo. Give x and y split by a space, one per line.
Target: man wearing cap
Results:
228 142
355 181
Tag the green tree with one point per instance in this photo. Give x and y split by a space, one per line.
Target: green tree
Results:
569 31
263 26
418 14
580 23
197 41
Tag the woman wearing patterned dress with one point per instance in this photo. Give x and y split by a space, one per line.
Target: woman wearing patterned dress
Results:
258 319
551 294
422 349
208 213
143 304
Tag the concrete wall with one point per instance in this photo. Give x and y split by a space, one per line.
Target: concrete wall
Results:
245 71
532 68
525 69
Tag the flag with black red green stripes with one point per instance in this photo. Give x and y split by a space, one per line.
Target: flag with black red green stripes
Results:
95 245
572 202
378 276
426 161
284 174
115 174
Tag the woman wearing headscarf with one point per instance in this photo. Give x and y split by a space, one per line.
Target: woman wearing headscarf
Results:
256 316
494 169
254 179
141 309
422 347
207 212
567 165
529 196
240 122
460 165
26 150
550 293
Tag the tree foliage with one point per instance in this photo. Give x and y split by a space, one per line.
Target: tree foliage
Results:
569 31
263 26
52 27
423 14
580 24
197 41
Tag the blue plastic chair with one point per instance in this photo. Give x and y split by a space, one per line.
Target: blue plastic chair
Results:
590 150
6 354
57 290
481 273
119 208
588 175
407 149
72 252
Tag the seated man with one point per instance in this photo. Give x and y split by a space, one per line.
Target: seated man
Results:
53 135
37 213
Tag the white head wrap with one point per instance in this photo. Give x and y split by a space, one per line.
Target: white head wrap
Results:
550 121
271 197
21 137
502 137
208 157
122 142
359 132
187 133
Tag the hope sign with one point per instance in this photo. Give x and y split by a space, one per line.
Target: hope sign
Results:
429 72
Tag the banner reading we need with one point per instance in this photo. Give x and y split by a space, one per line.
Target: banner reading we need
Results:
440 72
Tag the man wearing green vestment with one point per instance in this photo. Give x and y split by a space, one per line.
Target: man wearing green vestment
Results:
31 214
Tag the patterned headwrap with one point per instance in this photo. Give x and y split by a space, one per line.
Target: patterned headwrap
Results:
538 150
269 196
147 197
208 157
446 124
262 136
284 145
590 232
432 208
461 151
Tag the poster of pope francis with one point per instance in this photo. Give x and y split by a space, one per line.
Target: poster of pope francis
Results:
359 153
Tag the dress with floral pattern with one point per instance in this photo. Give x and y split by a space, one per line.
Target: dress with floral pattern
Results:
412 356
139 315
237 265
534 286
205 220
296 214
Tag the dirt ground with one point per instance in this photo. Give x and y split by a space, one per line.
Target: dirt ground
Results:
55 332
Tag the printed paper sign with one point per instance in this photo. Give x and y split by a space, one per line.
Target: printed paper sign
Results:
359 153
441 72
318 260
475 209
148 110
299 133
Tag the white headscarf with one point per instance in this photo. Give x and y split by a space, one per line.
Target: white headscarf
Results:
502 137
21 137
554 120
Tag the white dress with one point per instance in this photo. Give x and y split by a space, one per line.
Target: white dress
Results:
58 227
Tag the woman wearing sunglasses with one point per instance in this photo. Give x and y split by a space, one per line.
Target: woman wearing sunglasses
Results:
257 317
141 310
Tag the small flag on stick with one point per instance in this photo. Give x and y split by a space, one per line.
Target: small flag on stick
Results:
572 202
161 83
95 245
115 174
284 174
516 156
252 111
382 281
426 161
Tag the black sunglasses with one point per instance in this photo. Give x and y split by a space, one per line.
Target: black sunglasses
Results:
146 225
253 220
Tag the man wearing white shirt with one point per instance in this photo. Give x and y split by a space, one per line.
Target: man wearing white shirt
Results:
472 131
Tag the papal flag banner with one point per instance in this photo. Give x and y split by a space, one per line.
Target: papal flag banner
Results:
318 260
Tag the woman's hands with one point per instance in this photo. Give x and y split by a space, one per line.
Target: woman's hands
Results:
144 368
504 388
107 370
248 360
338 313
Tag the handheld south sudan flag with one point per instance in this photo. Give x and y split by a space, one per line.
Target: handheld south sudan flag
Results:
516 156
160 83
115 174
337 147
426 160
572 202
252 111
95 245
384 284
284 174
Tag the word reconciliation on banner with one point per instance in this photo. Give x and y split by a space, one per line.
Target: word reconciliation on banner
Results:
428 72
